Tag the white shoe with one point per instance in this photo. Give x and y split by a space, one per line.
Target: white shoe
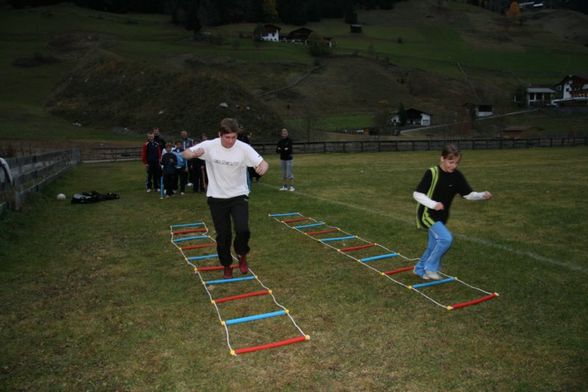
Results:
189 184
432 275
292 189
148 190
284 188
182 193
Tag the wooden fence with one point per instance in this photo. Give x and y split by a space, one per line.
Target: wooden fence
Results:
25 174
134 153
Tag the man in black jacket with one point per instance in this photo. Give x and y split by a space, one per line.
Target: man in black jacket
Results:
284 148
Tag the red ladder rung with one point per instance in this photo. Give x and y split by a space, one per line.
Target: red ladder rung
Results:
352 248
199 230
198 246
295 220
473 302
240 296
214 268
397 271
322 231
271 345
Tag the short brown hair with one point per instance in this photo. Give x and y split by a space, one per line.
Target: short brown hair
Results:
451 151
228 125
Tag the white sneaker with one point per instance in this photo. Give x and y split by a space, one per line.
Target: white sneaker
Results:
292 189
189 184
284 188
432 275
148 190
182 193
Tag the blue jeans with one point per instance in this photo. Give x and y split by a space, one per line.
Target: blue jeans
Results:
440 240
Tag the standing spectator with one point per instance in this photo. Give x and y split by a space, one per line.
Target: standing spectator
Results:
434 195
284 148
227 160
169 161
151 156
181 166
188 142
157 137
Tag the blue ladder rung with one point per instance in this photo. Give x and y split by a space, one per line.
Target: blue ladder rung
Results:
433 283
379 257
255 317
309 225
195 224
347 237
223 281
203 257
286 214
194 237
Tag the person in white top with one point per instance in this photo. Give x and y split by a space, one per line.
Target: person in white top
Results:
227 160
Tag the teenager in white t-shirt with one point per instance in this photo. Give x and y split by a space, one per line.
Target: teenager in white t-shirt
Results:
227 160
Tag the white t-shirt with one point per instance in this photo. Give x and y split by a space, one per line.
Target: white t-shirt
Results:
227 167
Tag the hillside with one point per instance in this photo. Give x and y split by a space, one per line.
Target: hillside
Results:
68 65
104 89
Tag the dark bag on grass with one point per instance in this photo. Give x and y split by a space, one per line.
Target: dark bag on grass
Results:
92 197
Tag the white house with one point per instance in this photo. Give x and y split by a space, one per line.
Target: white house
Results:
413 117
572 91
540 96
483 110
270 32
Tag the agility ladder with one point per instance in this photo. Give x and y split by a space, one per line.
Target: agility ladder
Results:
194 237
323 233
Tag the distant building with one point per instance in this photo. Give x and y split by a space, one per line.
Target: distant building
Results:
484 110
299 35
413 117
572 91
270 32
540 96
479 110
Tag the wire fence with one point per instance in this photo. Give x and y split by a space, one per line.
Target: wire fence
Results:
134 153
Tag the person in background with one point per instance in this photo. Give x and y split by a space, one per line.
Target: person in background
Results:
157 137
151 156
169 162
434 195
284 148
188 142
181 166
227 160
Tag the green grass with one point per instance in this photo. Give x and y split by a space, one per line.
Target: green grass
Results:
95 297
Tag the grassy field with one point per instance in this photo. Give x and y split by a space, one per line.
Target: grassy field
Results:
95 297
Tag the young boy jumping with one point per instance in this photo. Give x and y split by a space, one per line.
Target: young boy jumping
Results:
434 194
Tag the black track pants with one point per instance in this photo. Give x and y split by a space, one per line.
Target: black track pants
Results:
223 211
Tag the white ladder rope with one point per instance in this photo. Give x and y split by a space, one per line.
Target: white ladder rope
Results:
297 216
204 233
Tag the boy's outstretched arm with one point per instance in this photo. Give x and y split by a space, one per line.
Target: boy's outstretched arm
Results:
472 196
